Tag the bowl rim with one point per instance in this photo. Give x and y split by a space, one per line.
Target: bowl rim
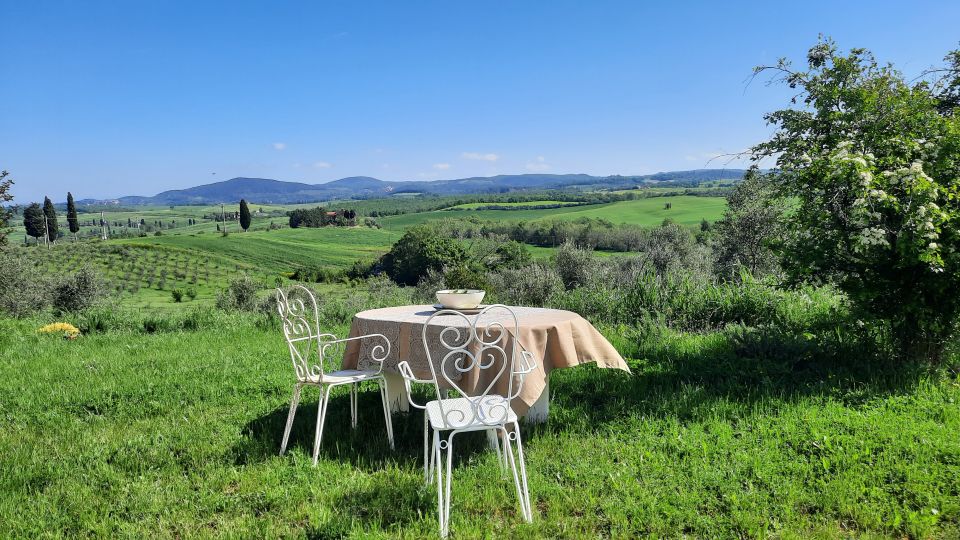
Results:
454 291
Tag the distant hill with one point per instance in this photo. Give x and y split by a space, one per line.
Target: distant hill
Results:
266 191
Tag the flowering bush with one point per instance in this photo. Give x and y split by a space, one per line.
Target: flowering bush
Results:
872 170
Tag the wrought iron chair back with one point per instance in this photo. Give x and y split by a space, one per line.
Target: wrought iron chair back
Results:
301 328
483 354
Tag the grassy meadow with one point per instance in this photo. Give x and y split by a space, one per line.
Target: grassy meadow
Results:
176 434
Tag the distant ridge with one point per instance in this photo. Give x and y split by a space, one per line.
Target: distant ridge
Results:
266 191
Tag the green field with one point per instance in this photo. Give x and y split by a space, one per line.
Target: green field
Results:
474 206
286 249
686 210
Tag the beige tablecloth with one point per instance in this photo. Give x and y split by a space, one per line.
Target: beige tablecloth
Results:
557 338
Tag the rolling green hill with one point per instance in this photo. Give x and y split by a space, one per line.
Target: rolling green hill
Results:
286 249
686 210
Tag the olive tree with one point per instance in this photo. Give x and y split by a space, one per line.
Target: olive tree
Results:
872 170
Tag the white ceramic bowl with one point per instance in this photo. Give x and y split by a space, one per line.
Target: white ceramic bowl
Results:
460 298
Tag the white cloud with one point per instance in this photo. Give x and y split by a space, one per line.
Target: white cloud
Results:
539 165
321 165
279 146
479 156
441 166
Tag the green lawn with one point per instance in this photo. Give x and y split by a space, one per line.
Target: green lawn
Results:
176 435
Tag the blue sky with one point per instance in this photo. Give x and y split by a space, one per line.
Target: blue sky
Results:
134 97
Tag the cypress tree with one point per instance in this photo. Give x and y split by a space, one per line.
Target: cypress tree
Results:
244 215
51 213
72 215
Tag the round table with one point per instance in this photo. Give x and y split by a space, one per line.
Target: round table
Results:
557 338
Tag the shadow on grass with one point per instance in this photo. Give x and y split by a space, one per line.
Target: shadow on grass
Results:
365 447
690 376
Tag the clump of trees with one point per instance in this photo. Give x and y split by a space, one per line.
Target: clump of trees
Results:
321 217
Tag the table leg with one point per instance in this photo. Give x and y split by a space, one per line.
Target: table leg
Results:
540 410
399 402
493 441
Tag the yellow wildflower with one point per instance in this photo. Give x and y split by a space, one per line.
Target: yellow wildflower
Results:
67 329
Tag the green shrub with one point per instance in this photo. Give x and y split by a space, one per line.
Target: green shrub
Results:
421 249
78 291
192 292
24 290
533 285
240 295
177 294
465 277
574 264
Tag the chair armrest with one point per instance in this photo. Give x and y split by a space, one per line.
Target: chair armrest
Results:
408 377
378 354
526 363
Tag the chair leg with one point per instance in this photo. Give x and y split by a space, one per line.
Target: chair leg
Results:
516 475
448 482
492 440
436 459
294 401
321 416
388 418
353 406
433 455
427 460
523 474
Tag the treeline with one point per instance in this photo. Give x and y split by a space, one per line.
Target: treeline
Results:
591 233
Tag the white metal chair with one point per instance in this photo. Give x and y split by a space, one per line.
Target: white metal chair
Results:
493 357
308 350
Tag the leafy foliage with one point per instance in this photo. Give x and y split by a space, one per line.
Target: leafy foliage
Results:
78 291
240 295
24 291
750 228
420 249
947 85
875 171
